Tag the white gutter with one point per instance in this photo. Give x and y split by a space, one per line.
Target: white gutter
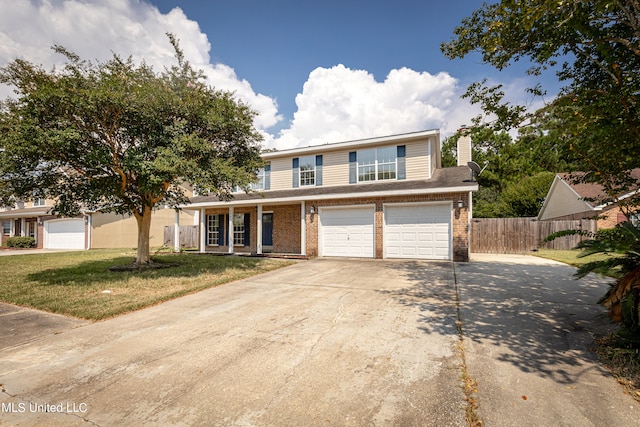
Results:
303 197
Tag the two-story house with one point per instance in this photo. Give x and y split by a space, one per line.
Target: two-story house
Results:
385 197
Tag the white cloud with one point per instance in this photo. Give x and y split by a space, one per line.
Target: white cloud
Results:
96 29
335 104
340 104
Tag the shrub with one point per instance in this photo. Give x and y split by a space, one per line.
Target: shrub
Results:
21 242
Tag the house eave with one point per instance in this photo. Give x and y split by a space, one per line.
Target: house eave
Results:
351 144
294 199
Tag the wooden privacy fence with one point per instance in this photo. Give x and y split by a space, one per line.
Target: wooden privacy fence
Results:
522 235
188 236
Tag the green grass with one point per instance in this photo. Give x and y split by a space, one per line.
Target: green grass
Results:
569 256
80 284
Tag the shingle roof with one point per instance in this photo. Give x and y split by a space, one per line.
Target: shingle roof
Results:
443 180
26 212
592 193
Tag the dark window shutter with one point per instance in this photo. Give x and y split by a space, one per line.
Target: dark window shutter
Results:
221 228
353 168
296 172
319 169
247 229
267 177
401 173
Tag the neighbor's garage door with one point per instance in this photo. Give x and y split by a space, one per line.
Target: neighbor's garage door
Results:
64 234
347 232
418 231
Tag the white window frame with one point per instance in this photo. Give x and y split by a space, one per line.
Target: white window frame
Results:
40 201
213 230
376 170
238 229
259 185
307 175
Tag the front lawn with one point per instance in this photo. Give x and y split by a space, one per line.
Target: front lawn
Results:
569 256
80 284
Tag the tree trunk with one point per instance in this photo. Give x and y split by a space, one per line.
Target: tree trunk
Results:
144 227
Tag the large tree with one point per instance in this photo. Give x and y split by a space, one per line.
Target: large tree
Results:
595 47
117 136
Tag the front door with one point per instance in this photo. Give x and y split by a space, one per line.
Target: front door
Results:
267 232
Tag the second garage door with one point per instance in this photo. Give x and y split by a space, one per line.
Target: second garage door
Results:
418 231
347 232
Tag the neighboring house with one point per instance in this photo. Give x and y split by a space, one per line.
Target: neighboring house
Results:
568 200
385 197
91 230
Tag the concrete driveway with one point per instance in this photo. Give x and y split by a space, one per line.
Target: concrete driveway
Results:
324 342
333 342
529 328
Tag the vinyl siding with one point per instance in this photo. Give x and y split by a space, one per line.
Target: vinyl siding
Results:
335 169
281 173
418 160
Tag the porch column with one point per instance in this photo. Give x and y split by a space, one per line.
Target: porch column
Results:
303 228
203 231
12 227
23 227
259 231
230 228
89 227
176 232
36 226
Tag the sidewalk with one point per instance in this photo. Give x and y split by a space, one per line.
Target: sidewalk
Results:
9 252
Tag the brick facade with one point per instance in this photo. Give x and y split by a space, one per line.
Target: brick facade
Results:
460 220
287 236
607 218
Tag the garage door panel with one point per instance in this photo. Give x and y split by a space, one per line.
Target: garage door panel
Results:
420 231
347 232
64 234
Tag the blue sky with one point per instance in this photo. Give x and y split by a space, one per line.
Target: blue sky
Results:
276 44
316 71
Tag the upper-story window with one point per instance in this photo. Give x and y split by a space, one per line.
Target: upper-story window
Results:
377 164
263 180
307 171
39 202
259 185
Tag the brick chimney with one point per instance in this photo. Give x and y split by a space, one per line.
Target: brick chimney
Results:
464 147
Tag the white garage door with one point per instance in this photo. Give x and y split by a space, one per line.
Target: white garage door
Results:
64 234
347 232
418 231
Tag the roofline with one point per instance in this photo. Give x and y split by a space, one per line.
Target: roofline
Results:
17 214
301 198
618 199
352 144
554 184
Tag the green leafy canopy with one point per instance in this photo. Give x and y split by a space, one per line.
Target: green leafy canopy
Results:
118 136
